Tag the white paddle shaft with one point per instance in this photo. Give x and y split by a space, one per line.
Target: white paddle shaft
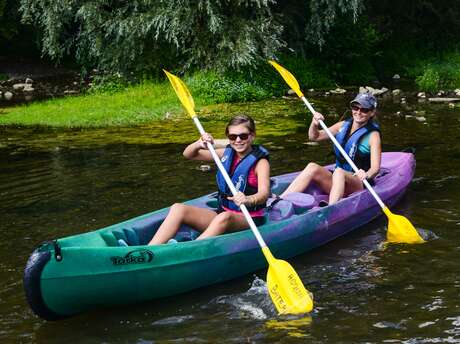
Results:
229 182
344 154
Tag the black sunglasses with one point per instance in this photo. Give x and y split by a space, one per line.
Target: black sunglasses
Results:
243 136
363 110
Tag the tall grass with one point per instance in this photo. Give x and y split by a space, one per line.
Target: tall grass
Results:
132 105
440 73
115 102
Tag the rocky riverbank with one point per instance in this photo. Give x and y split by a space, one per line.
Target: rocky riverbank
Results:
25 80
398 95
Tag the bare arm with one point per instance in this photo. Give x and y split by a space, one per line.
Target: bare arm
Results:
315 134
198 150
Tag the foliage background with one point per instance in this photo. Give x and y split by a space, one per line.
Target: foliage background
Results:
327 41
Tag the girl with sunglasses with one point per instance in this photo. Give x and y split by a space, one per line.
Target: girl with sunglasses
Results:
360 138
249 169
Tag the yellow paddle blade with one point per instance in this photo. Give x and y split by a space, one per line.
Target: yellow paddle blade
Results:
288 77
182 92
400 230
297 328
285 287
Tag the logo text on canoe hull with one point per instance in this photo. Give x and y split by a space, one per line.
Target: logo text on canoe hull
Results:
140 256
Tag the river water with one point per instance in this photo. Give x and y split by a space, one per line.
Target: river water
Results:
56 183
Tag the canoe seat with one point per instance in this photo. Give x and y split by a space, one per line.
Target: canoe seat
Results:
145 228
291 204
281 210
109 239
300 200
129 235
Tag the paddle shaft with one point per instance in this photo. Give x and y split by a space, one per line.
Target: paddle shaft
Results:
232 188
344 154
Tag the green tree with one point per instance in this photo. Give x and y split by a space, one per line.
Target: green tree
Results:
9 19
432 24
15 37
144 35
148 34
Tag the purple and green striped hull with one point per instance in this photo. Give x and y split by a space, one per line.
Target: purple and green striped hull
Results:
82 272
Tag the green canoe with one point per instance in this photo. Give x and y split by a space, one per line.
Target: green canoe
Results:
85 271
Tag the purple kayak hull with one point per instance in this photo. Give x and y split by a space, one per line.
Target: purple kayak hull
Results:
321 225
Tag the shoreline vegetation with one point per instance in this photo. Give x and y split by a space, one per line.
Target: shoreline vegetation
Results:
113 102
132 105
220 48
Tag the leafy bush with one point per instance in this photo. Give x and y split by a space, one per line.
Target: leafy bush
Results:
429 80
221 88
255 83
351 50
442 73
108 83
308 72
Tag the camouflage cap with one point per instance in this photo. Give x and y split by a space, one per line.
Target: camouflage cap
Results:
366 100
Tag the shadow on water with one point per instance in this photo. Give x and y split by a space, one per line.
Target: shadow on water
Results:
57 183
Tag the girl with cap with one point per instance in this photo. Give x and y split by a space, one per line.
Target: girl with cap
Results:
249 169
360 138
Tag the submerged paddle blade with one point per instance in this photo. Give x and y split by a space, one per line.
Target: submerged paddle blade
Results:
182 92
288 77
400 230
285 287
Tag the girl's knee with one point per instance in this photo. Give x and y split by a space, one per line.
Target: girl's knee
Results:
312 169
177 208
223 218
219 224
317 172
338 173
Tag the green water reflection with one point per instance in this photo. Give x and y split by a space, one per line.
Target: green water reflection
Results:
56 183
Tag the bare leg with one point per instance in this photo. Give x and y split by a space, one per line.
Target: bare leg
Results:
343 183
179 214
224 222
313 172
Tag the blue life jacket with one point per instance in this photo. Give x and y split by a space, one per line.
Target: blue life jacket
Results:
239 176
350 145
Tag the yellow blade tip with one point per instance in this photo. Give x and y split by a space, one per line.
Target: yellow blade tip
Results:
401 230
182 93
288 77
285 287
